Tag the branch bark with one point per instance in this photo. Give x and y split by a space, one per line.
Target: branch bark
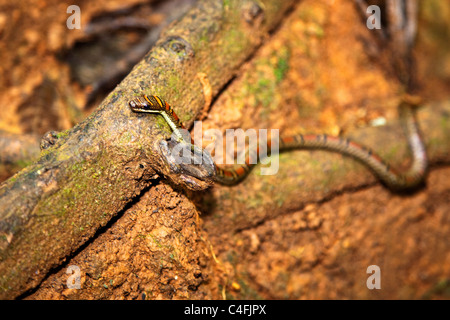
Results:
53 206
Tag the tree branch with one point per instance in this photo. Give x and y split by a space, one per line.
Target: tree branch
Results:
93 170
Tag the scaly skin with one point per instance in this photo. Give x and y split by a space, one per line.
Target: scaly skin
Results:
394 180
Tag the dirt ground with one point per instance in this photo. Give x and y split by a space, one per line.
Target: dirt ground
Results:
313 75
323 250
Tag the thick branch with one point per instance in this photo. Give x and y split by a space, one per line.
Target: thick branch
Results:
53 206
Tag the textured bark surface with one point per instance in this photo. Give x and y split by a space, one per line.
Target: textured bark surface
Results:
103 200
93 171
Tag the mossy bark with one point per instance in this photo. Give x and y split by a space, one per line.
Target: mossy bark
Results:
53 206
